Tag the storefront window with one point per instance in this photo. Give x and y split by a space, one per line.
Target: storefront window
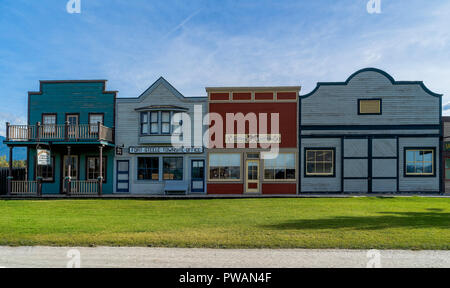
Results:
148 168
46 172
224 166
419 162
173 168
319 162
280 168
93 168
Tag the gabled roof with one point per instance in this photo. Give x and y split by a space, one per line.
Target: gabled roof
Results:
385 74
161 81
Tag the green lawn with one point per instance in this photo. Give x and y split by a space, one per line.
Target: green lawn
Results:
359 223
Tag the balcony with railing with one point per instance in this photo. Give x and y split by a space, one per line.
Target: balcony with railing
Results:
59 132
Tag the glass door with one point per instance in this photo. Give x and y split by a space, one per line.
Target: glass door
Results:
72 120
123 176
198 176
252 176
73 170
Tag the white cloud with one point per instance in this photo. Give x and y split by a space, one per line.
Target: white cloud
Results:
13 119
200 56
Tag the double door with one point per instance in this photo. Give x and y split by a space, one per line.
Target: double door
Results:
370 164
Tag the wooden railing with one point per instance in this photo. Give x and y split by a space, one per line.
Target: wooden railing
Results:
59 132
83 187
24 188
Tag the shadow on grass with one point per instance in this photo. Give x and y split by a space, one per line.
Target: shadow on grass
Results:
383 221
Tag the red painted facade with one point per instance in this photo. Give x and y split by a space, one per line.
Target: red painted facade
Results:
251 103
225 188
279 188
287 112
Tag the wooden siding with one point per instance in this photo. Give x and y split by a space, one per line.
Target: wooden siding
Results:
401 104
321 184
128 132
71 97
421 184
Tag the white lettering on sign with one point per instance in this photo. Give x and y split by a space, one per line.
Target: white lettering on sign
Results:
252 138
164 150
43 157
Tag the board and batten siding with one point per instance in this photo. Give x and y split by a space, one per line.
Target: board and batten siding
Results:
373 145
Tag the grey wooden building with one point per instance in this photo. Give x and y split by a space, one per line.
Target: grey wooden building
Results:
371 134
146 161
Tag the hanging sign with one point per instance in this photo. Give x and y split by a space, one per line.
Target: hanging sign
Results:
43 157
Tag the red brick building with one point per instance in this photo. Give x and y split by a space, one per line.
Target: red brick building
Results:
260 157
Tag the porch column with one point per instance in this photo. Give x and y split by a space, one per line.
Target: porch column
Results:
69 166
100 177
7 131
10 170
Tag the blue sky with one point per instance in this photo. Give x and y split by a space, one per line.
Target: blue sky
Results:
194 44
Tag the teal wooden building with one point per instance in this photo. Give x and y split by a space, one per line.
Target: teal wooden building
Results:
71 127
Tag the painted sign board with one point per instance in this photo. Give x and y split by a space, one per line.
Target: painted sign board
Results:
43 157
164 150
253 138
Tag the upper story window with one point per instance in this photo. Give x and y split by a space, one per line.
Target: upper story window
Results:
155 122
369 106
94 119
49 122
154 116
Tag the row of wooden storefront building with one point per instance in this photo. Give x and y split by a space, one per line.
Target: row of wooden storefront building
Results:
369 134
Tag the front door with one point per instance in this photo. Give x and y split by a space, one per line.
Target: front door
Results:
252 176
73 170
123 176
198 176
72 120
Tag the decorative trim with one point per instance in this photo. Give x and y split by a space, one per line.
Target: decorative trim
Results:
389 77
371 127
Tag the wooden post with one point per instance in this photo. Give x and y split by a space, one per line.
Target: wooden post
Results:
69 166
66 130
100 177
7 131
39 186
99 126
38 131
10 170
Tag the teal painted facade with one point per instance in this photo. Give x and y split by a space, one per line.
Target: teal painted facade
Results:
81 98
